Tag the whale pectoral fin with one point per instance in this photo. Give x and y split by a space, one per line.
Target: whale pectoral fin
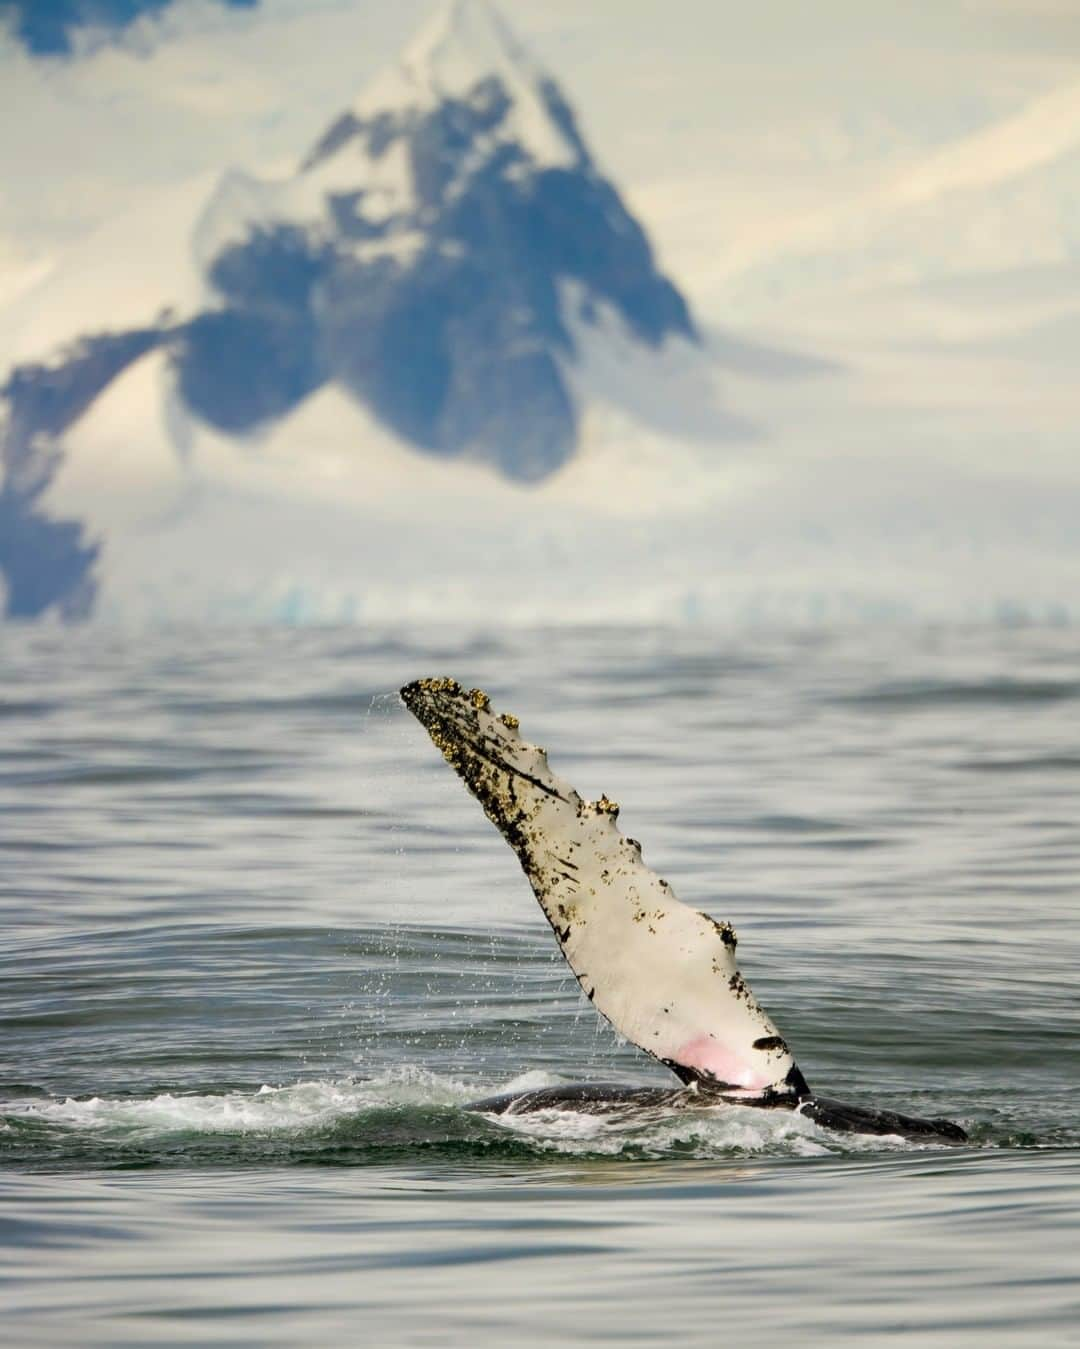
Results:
855 1119
663 974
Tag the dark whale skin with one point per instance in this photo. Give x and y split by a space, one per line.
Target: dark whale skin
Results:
602 1098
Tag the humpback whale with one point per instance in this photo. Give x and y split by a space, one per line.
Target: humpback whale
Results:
663 974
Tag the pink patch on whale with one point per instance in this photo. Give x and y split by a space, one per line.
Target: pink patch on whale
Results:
708 1055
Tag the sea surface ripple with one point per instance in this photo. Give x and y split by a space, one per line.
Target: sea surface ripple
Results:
259 949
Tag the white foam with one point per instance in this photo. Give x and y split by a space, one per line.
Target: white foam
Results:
269 1109
702 1134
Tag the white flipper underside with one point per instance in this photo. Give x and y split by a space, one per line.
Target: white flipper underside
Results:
663 974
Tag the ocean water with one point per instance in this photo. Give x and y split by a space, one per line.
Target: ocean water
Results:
259 948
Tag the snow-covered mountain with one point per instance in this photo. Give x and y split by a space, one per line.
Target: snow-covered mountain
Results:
445 272
429 367
1002 198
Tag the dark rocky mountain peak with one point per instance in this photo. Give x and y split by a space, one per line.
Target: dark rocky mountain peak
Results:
420 254
424 257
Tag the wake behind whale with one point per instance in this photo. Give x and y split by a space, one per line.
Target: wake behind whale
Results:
663 974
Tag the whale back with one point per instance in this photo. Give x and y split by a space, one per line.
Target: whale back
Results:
663 974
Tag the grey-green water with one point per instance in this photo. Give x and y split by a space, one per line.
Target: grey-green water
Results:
259 948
